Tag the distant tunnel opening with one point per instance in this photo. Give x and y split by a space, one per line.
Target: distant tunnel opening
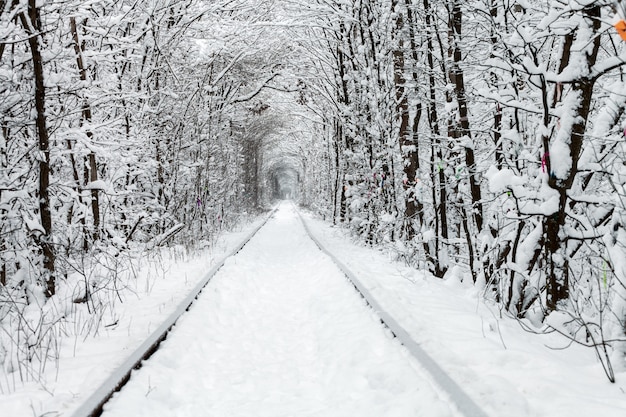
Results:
284 183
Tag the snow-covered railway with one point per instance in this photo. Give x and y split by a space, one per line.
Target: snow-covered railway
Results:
93 405
280 332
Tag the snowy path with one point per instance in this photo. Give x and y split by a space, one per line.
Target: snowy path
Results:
279 332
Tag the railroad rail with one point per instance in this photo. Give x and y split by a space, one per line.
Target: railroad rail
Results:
466 405
93 405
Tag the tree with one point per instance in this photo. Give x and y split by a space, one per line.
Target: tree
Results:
31 22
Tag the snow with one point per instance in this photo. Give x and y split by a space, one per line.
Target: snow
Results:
279 331
159 282
505 369
387 217
96 185
502 180
428 235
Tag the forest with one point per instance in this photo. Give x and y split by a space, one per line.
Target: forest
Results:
479 140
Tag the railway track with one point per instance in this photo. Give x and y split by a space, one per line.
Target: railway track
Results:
447 388
466 405
92 406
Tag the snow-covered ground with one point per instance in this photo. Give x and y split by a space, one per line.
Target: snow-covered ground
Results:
279 332
506 370
158 284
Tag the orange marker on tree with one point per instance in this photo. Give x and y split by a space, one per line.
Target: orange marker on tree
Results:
620 25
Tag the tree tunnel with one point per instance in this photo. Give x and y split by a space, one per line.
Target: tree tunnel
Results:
282 167
283 183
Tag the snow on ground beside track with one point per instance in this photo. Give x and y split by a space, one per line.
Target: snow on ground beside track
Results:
279 332
506 370
160 284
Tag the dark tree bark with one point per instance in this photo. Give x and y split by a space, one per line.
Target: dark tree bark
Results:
31 22
497 117
439 177
457 79
408 147
557 280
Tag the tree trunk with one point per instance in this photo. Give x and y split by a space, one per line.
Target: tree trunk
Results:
86 115
32 25
557 280
407 146
457 79
439 179
497 117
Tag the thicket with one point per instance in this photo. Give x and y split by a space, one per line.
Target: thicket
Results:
489 134
485 134
125 127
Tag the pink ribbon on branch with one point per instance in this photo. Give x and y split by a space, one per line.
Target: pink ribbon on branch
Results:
544 161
